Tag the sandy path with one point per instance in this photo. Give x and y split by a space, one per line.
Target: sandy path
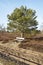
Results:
1 63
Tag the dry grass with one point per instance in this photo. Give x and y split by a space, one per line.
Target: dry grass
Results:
32 43
5 37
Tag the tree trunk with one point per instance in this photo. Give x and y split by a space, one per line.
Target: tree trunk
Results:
22 34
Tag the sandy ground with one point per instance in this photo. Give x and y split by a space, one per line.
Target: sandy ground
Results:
1 63
28 54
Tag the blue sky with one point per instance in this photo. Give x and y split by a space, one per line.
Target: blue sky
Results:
7 6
